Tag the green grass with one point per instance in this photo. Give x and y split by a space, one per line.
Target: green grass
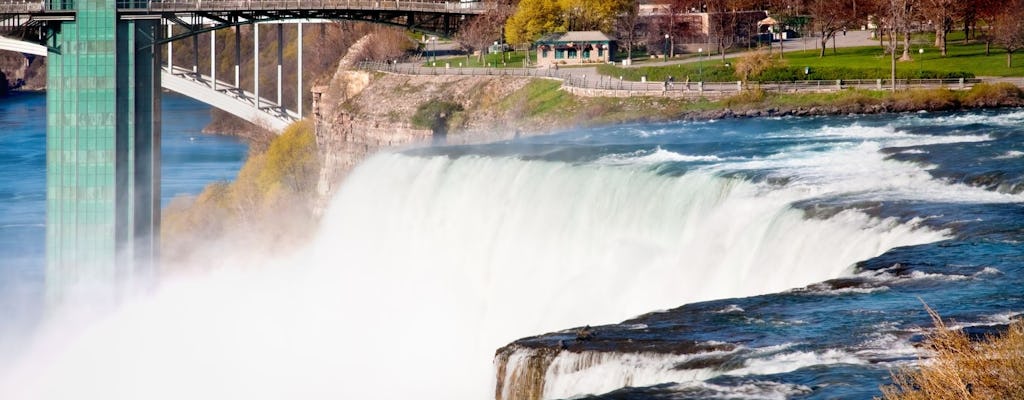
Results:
848 63
538 98
511 60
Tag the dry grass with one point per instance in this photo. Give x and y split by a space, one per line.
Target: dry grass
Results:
961 369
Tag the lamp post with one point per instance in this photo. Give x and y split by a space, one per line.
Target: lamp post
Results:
700 63
920 63
665 53
433 51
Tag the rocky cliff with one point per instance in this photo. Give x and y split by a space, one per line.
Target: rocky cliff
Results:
22 71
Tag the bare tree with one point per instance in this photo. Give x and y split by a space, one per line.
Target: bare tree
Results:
626 27
1008 30
897 23
940 13
830 16
723 23
988 12
483 30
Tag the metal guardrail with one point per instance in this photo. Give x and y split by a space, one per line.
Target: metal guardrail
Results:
383 5
584 81
449 7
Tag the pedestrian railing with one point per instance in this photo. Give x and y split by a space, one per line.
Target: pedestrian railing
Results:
578 80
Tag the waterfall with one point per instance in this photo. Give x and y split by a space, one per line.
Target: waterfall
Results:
426 265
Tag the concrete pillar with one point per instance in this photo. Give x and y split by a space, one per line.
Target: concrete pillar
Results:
298 97
170 48
238 54
213 59
195 54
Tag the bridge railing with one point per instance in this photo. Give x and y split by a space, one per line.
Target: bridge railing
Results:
11 7
36 6
384 5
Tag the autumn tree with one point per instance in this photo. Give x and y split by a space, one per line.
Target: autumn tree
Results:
535 18
593 15
830 16
1008 30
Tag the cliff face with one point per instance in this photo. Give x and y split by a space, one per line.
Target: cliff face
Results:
360 113
23 72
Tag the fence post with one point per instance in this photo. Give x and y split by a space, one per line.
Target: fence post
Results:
961 83
839 84
700 86
739 86
878 84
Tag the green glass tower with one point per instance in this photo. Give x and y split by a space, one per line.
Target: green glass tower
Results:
102 151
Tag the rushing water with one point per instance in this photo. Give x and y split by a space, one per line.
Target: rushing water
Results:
428 260
191 160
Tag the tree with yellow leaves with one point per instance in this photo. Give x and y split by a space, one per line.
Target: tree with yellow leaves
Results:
535 18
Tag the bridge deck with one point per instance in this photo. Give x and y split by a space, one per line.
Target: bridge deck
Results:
15 7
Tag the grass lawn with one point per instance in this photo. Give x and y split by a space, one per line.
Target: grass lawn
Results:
512 59
849 63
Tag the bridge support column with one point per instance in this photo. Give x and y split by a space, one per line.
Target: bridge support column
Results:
298 97
102 155
195 54
170 48
213 60
238 54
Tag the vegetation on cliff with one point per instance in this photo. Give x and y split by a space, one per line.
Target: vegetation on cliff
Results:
268 206
961 369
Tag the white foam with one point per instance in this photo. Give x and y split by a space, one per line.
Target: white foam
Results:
792 361
752 390
657 156
732 308
1010 155
574 374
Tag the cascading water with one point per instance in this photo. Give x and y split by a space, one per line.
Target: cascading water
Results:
425 265
427 262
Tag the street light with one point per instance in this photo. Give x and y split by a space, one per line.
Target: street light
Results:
665 53
700 63
433 51
920 63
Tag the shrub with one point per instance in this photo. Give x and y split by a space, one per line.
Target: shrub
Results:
745 97
924 99
434 114
291 159
993 94
961 369
752 65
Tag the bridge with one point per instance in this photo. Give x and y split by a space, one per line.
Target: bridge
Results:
226 96
104 77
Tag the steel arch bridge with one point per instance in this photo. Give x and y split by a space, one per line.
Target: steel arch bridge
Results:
104 77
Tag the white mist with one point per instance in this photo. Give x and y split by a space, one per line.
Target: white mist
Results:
426 265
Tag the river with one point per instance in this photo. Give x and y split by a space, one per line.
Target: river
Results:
191 160
741 258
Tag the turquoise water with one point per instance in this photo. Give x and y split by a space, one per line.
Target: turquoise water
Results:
750 258
191 160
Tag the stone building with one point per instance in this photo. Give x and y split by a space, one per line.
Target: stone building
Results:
574 48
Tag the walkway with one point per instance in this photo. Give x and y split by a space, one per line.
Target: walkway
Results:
585 82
